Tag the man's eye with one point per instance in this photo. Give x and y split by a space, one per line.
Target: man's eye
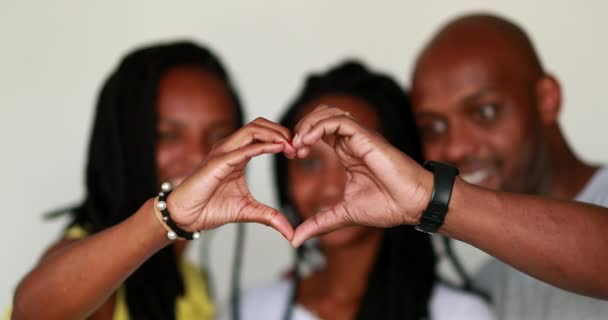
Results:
488 112
433 128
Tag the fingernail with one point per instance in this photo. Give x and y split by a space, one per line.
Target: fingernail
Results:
295 139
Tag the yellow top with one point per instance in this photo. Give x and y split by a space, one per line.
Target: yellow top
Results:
194 304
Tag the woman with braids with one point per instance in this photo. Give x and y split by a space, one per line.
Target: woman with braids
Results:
157 118
366 273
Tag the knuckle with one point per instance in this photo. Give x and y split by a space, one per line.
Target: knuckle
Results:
270 216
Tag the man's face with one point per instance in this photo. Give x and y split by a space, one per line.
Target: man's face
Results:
479 115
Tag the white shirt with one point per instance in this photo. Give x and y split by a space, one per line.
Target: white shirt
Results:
269 302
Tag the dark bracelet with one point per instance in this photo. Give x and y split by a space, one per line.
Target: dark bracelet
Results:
175 231
434 215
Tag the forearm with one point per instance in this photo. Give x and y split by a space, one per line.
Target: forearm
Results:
562 243
74 281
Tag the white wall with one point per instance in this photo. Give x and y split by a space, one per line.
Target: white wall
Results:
54 55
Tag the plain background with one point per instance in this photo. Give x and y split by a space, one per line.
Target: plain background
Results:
55 55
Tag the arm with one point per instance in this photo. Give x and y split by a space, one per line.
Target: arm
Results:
563 243
560 242
75 278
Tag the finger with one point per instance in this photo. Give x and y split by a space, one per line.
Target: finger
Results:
201 185
290 151
306 123
326 128
241 156
274 126
320 223
260 213
254 132
303 152
290 155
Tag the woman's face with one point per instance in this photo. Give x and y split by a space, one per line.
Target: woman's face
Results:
195 110
317 182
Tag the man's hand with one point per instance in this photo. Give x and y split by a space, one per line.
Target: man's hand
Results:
384 187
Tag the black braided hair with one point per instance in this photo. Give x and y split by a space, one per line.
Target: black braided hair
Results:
121 169
401 281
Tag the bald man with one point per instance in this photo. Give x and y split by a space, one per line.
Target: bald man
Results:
484 103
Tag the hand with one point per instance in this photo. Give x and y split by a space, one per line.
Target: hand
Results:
383 188
217 193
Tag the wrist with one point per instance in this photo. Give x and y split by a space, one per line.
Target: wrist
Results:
179 213
433 217
423 195
162 210
148 223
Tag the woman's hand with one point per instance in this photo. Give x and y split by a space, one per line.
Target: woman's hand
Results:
217 193
384 187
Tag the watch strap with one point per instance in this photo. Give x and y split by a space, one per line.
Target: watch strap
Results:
434 215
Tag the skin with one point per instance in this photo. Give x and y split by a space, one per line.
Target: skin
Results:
484 104
213 195
195 112
547 238
317 182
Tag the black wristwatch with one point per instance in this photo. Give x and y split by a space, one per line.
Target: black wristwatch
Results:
434 215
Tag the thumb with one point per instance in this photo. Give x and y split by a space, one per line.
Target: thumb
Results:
260 213
320 223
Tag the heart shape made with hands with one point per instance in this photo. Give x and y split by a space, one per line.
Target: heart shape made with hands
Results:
374 193
383 186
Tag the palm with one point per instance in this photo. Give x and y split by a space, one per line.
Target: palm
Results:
222 196
232 201
217 193
363 189
377 192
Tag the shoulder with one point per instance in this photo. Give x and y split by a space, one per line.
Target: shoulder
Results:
454 304
266 301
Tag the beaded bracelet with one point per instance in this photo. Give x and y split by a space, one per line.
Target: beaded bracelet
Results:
173 231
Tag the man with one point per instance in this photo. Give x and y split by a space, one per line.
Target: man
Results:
384 187
484 104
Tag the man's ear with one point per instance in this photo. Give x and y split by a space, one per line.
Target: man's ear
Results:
548 99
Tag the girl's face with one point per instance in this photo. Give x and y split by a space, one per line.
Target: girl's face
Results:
195 111
317 182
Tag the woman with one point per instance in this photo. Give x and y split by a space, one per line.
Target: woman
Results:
366 273
157 118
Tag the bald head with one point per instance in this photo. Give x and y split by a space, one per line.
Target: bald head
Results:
483 102
488 38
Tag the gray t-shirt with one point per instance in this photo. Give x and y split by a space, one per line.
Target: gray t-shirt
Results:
517 296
